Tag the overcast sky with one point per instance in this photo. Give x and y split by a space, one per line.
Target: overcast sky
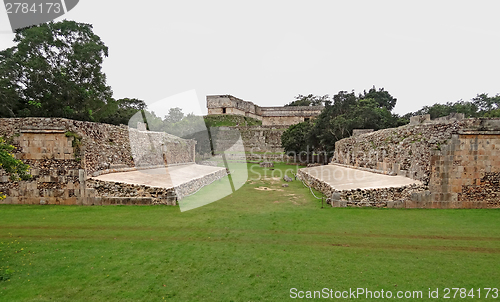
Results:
422 52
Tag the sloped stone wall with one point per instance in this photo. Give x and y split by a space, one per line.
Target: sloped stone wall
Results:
62 152
405 151
102 145
158 148
456 159
257 142
107 147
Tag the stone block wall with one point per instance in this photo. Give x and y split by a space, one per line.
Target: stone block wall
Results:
270 116
381 198
39 144
105 146
158 148
467 169
356 132
257 142
289 115
103 192
281 120
456 159
402 151
233 105
102 145
62 152
57 174
419 119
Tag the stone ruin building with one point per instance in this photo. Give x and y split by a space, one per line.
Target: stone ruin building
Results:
270 116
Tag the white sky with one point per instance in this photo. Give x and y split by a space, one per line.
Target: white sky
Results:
267 52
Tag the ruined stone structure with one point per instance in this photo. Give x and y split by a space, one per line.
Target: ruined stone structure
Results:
356 132
456 159
270 116
259 142
62 153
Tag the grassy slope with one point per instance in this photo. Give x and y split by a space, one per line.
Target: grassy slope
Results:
252 245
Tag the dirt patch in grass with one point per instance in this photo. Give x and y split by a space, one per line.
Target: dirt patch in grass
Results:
268 189
264 189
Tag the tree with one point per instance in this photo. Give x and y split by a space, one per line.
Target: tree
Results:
8 85
309 100
296 137
383 98
469 109
174 115
343 113
347 112
119 111
485 103
55 71
14 167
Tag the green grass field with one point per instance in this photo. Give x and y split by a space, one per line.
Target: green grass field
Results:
253 245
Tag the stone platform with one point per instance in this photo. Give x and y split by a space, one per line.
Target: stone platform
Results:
167 177
342 178
349 187
166 185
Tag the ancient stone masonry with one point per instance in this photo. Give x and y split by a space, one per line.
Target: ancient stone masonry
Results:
257 142
109 147
160 148
102 145
57 177
105 192
356 132
393 197
402 151
456 159
260 142
285 116
62 152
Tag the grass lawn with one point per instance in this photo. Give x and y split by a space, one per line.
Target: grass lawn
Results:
253 245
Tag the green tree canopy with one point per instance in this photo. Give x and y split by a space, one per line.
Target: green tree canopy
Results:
119 111
343 113
55 71
382 98
296 137
486 103
174 115
480 106
308 100
9 87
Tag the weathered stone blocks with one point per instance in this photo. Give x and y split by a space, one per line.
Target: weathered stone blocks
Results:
452 156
